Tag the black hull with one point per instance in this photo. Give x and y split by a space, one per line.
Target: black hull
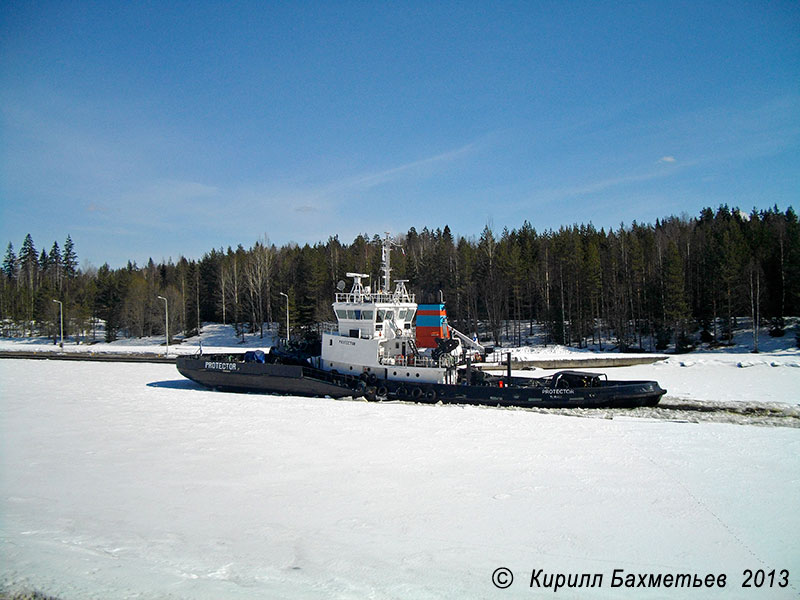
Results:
229 374
615 395
275 378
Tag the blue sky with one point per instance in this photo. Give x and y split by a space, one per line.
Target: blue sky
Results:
160 129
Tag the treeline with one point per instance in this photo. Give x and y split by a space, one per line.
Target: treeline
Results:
677 282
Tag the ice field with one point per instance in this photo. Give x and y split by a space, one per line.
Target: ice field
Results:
127 481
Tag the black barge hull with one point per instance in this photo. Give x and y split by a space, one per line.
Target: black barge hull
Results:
629 394
226 373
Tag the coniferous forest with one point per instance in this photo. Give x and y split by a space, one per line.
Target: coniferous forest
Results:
670 284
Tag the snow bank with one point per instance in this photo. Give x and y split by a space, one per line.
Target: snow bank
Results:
126 481
215 337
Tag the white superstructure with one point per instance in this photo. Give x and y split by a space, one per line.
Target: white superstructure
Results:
375 334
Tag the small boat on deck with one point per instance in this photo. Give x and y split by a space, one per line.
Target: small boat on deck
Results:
387 347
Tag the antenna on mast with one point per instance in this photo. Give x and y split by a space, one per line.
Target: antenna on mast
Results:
386 261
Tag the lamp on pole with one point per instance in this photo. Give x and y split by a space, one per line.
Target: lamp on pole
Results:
287 314
166 321
61 314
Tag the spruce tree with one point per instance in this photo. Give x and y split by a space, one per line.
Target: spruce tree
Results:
593 278
10 265
29 261
56 265
69 259
44 262
29 271
676 309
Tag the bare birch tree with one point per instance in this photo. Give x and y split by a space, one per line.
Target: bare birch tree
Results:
258 279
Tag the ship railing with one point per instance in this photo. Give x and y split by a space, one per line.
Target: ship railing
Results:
333 329
410 361
328 327
360 298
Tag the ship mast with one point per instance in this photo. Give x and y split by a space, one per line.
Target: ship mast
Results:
386 259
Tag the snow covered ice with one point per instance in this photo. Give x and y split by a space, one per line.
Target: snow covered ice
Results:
127 481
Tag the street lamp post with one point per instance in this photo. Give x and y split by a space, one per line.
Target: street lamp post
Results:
61 315
287 315
166 321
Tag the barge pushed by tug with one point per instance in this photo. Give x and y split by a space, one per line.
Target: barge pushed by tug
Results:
378 353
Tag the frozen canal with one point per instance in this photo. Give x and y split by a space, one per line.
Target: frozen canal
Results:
125 481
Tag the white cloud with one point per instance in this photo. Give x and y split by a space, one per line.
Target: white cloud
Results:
373 179
604 184
667 159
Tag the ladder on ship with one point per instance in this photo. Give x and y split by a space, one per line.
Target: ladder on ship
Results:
412 344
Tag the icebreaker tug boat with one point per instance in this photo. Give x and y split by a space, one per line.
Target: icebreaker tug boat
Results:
386 346
375 336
